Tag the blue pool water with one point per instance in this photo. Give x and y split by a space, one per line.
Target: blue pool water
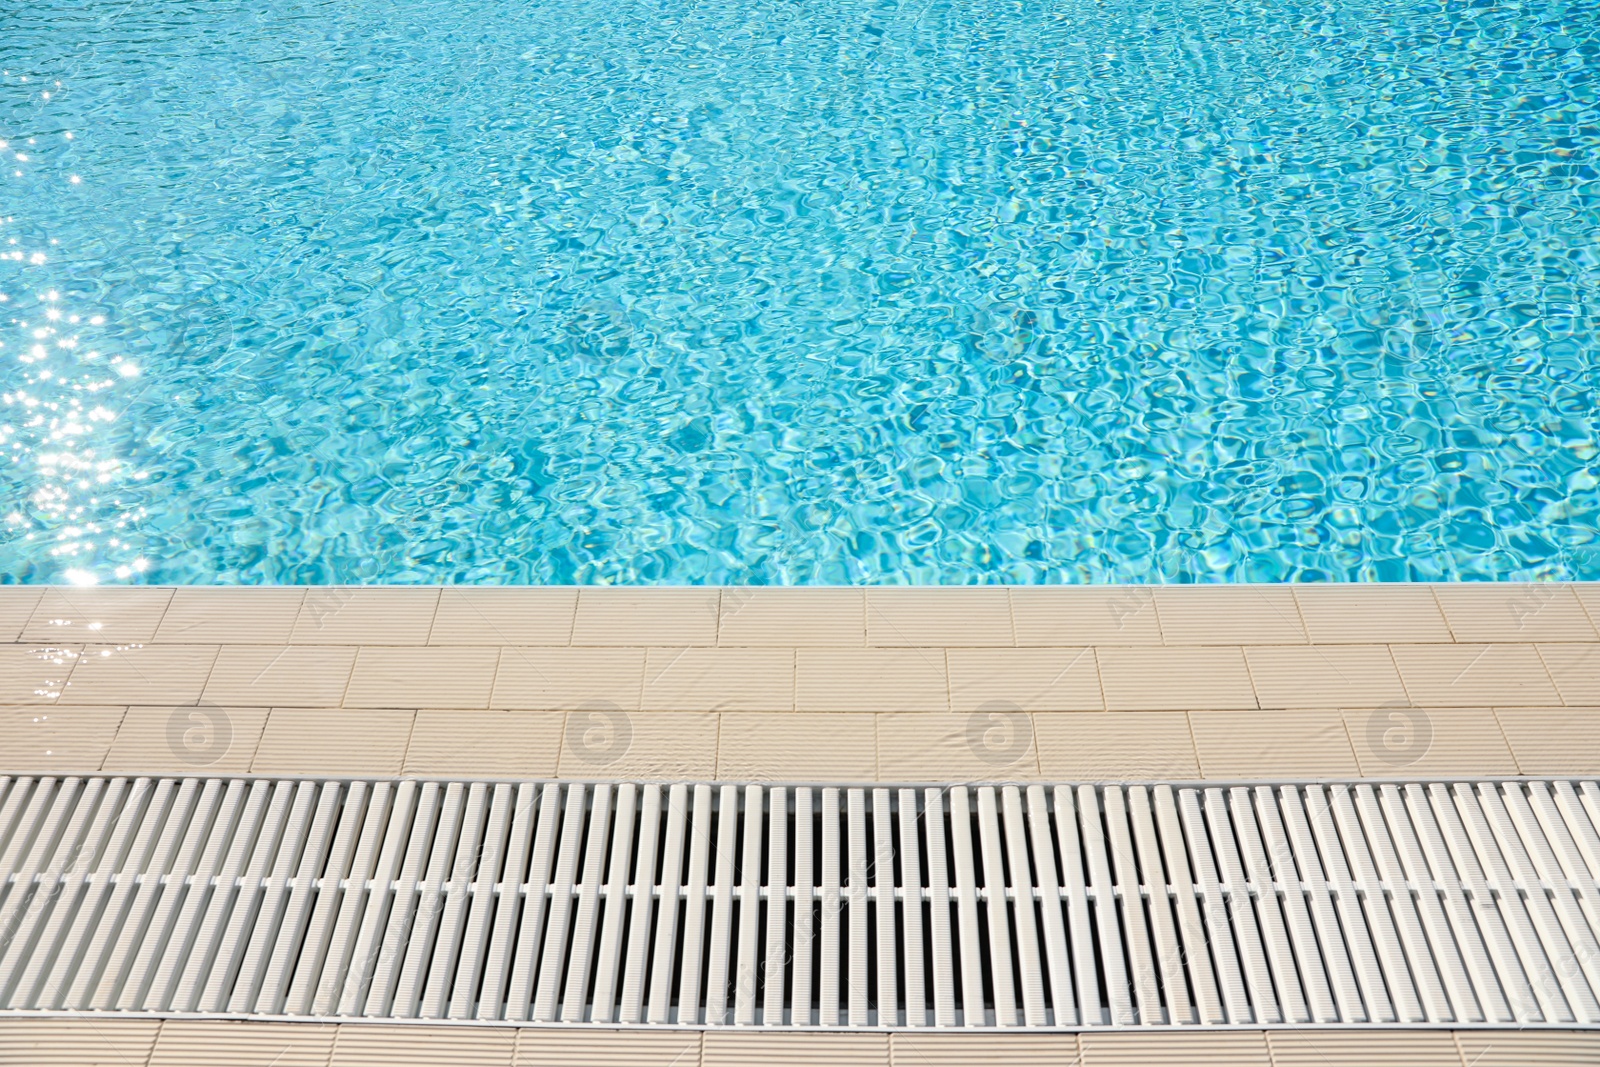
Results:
779 292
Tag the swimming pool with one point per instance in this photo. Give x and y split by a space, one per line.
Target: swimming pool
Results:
762 292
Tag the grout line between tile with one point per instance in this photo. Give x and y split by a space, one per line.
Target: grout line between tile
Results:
1434 593
1551 675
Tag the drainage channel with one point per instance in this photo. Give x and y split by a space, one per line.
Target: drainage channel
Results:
1445 903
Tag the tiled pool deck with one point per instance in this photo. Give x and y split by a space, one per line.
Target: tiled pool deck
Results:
1223 682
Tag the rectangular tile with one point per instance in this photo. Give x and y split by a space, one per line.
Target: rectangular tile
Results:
16 608
77 1042
140 674
56 739
286 675
793 617
657 745
1469 676
538 1047
407 677
802 746
1391 741
1575 670
68 614
932 617
483 744
871 680
1289 676
1528 1048
1137 745
333 741
505 616
1514 611
188 739
724 1048
1553 740
563 678
1228 615
211 1043
370 615
1156 679
1362 613
1380 1048
219 615
36 674
1085 615
719 679
910 1048
941 746
1032 679
432 1046
648 616
1267 744
1239 1049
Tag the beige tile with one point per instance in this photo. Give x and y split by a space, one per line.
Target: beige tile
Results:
511 616
331 741
1033 679
1528 1048
485 744
218 615
1131 745
1575 670
16 608
1507 611
725 1048
793 618
377 615
213 1043
908 1048
140 674
1467 676
1229 615
56 739
659 745
562 678
871 680
424 1046
1312 1047
268 676
128 613
79 1042
1155 679
1441 741
1588 594
1085 615
188 739
649 616
940 746
979 616
1267 744
1238 1049
797 747
1366 613
436 677
1553 740
537 1047
36 674
1288 676
719 679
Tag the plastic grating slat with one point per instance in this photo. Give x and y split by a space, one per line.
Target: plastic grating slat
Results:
1077 907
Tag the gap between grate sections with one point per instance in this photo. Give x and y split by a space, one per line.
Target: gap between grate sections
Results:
808 906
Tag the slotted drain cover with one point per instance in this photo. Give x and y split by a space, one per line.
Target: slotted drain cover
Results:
1439 903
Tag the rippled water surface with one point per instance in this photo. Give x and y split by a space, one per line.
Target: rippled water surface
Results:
781 292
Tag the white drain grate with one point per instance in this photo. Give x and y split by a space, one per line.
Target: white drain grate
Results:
810 906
